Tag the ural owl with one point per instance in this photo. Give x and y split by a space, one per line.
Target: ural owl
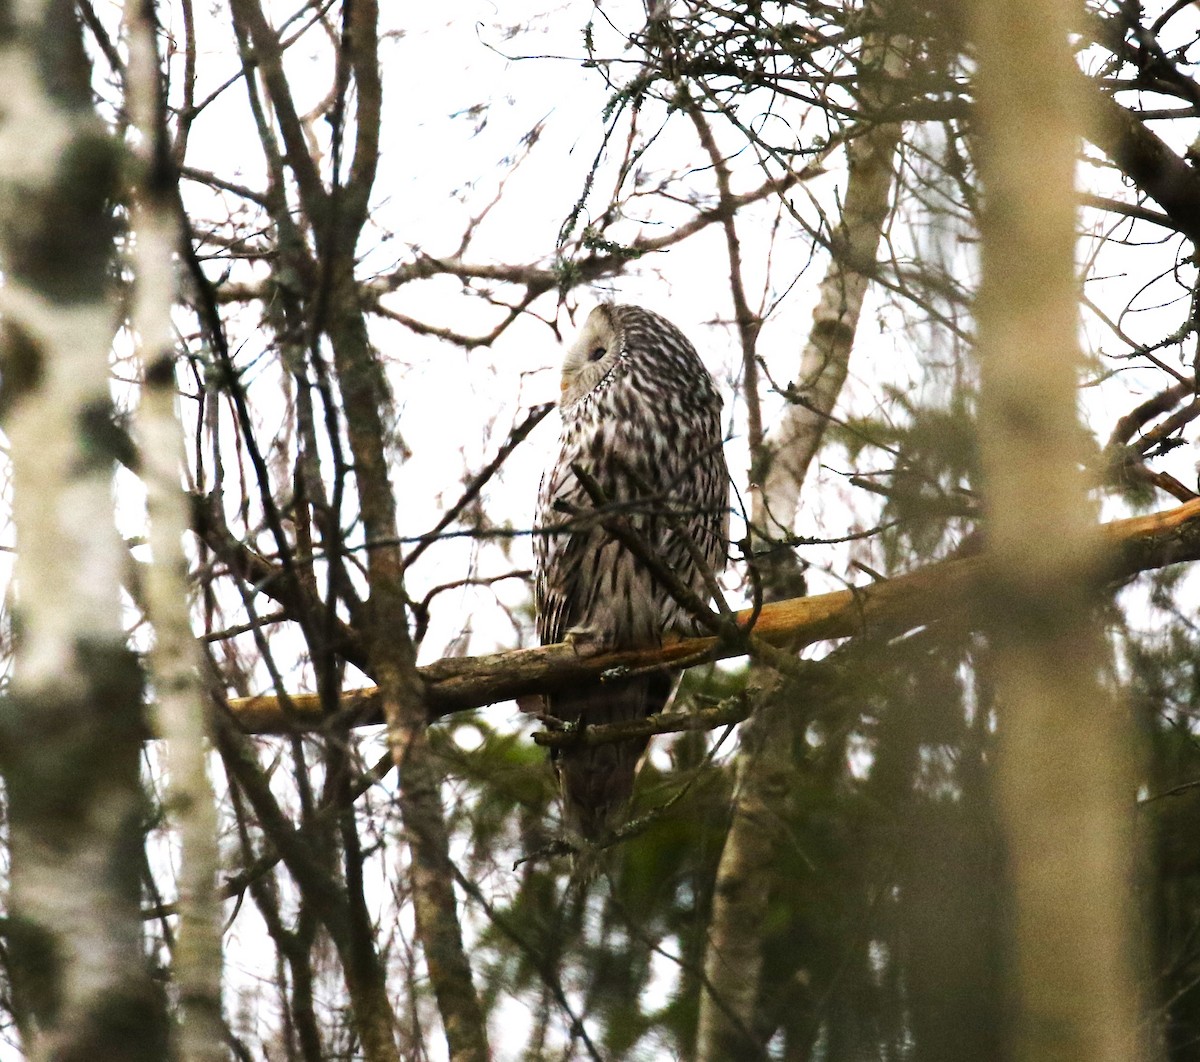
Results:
641 415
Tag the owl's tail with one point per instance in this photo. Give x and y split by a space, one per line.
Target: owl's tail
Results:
597 780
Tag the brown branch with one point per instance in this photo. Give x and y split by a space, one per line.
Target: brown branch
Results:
734 710
1148 161
1164 481
537 279
460 683
236 884
1115 206
298 601
1133 422
361 45
333 905
1168 427
748 322
268 53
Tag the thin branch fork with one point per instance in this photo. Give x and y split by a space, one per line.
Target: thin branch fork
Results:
457 684
727 713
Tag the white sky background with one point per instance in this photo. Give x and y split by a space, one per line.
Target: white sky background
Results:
441 163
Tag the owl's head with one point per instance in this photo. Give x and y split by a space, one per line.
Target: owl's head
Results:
593 354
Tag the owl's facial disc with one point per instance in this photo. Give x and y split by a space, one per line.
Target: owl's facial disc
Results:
591 355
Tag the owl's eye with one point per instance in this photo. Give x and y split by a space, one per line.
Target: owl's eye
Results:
597 353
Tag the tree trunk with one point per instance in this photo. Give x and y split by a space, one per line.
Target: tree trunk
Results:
732 963
72 726
1064 765
175 660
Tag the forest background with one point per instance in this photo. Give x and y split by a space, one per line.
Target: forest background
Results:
284 292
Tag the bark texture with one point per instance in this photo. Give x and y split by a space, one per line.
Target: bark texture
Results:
732 963
174 663
455 684
70 732
338 217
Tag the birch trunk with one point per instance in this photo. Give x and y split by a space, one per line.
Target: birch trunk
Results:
175 659
733 958
71 730
794 439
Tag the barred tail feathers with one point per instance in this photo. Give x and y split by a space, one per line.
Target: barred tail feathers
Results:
596 781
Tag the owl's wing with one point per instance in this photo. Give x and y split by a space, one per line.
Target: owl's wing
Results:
559 556
716 502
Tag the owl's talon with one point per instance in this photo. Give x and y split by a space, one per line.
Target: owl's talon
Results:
586 641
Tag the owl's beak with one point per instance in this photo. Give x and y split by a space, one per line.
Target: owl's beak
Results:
563 385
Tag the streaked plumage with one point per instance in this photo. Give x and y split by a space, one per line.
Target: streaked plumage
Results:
637 406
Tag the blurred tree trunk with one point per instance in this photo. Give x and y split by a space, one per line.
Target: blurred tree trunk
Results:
1065 781
71 729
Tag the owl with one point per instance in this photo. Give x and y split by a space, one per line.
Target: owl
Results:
642 416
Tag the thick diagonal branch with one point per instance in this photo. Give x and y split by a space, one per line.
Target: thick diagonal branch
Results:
456 684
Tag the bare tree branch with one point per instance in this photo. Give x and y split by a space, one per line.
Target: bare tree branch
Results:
456 684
